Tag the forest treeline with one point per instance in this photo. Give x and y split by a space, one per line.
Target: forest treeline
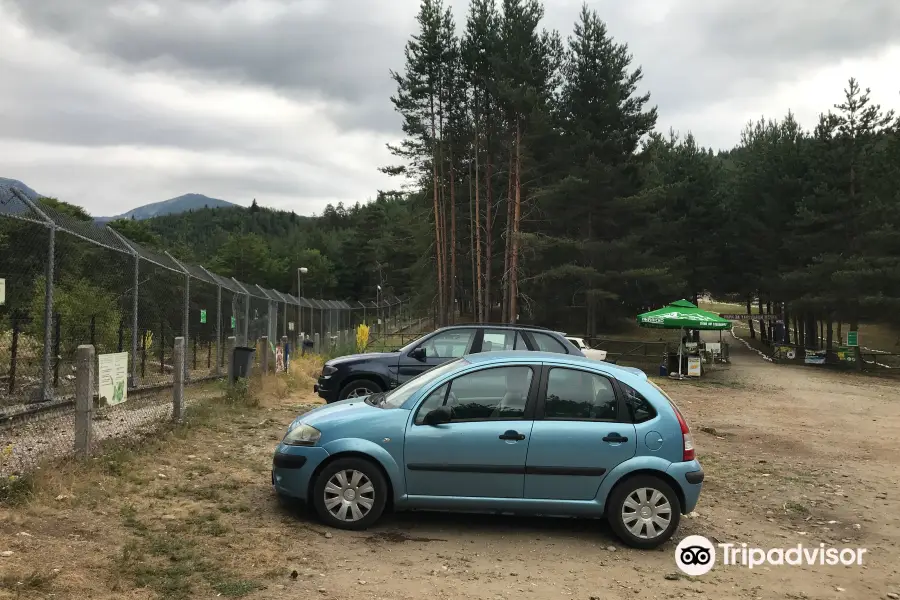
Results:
554 199
542 191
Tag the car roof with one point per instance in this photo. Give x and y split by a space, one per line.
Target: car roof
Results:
497 326
554 357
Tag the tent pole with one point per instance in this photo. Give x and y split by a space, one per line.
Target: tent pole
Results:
680 345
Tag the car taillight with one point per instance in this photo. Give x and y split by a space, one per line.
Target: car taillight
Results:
687 438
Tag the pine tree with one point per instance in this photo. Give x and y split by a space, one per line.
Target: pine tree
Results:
420 99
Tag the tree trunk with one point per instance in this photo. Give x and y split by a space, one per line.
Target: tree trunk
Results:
812 331
854 326
763 329
488 236
750 320
517 216
452 278
437 222
476 230
829 340
801 339
798 341
840 331
509 222
473 255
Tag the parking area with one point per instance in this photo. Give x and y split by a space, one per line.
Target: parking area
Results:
793 456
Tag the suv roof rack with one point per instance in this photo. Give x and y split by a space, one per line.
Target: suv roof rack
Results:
518 325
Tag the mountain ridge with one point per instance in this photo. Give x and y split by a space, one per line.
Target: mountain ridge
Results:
172 206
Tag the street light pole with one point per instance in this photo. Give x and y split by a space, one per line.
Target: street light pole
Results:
378 306
300 271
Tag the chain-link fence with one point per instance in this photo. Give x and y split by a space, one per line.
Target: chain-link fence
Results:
66 281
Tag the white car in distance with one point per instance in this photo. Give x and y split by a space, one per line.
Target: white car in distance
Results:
589 352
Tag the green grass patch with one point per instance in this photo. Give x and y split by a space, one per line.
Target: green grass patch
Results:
173 563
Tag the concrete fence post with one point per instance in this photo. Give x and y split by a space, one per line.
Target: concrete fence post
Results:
178 387
265 355
84 400
229 356
317 347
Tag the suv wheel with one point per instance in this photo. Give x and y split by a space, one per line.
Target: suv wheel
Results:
358 389
643 511
350 493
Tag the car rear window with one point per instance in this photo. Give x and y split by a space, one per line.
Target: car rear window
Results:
639 408
548 343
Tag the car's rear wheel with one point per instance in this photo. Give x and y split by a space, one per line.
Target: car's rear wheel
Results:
358 389
350 493
643 511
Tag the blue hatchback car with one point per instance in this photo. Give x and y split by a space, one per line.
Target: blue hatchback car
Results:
506 432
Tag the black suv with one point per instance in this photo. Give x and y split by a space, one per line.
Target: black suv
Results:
363 374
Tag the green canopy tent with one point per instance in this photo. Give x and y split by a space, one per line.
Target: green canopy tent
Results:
682 315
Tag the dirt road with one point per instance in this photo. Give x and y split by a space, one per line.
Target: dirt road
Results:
792 455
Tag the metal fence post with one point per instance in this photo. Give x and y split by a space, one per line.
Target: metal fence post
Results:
218 330
46 392
135 379
265 355
229 354
84 400
185 319
14 351
178 388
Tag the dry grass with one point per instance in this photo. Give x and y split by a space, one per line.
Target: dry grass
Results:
165 517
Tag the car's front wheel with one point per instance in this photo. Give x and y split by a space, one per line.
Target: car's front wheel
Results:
350 493
358 389
643 511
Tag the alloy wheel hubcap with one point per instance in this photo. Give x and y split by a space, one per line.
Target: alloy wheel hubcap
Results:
646 513
359 393
349 495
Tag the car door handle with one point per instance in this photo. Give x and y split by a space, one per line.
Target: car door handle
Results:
511 434
615 438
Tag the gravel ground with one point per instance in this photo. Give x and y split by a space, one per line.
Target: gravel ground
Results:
792 455
53 436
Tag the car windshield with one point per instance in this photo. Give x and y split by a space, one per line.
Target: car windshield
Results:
396 397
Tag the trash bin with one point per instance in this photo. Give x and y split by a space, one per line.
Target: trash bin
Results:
243 362
307 346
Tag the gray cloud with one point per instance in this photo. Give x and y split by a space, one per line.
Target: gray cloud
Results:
307 47
700 58
702 51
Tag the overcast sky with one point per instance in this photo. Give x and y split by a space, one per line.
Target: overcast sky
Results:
111 104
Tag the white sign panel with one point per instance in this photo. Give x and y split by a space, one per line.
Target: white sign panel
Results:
714 347
694 366
2 292
112 378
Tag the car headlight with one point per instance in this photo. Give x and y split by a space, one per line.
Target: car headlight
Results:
328 370
302 435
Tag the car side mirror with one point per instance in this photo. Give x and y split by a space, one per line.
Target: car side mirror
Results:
438 416
418 353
